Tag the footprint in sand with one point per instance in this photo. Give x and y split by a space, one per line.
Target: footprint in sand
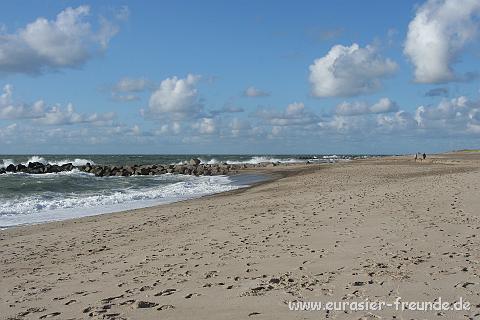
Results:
165 307
165 292
145 304
50 315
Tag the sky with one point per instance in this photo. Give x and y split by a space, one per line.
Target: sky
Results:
241 77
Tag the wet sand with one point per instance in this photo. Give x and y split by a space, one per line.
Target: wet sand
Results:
377 229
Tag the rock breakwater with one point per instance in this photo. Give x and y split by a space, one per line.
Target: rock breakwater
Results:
192 167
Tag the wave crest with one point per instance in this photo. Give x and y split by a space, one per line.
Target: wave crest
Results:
76 162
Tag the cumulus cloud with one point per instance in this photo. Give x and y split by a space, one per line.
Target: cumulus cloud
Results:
399 121
349 71
454 117
384 105
345 124
127 89
173 128
68 41
455 109
13 110
58 116
294 114
255 92
37 111
176 96
437 35
205 126
351 108
128 84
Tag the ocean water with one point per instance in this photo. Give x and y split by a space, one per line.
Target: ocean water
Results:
31 199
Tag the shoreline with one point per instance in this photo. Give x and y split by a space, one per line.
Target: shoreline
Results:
269 174
376 228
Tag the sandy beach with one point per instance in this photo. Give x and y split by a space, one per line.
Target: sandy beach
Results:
378 228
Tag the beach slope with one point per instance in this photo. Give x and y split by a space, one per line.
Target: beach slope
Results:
378 229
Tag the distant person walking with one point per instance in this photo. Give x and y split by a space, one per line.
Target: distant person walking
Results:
416 156
424 156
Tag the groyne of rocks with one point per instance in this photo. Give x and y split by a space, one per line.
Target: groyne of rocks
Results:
192 167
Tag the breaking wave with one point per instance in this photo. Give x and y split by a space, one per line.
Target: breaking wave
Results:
76 162
51 206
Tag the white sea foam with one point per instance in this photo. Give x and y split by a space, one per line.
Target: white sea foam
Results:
76 162
254 160
6 162
37 209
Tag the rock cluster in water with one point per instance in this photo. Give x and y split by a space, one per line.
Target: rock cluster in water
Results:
193 167
37 168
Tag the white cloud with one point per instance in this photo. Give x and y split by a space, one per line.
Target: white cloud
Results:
295 114
178 97
239 126
125 97
351 108
384 105
437 35
295 109
450 118
473 128
454 113
176 127
346 124
127 84
400 120
255 92
12 110
173 128
276 130
205 126
58 116
349 71
136 131
6 96
126 89
8 130
43 45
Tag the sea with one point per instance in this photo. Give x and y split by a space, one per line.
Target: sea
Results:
38 198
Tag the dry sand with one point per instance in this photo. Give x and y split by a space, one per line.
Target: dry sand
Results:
377 229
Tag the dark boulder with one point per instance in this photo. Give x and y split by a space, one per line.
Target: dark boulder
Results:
194 162
52 168
20 167
67 167
32 165
37 170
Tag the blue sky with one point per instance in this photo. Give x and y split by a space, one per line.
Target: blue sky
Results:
239 77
